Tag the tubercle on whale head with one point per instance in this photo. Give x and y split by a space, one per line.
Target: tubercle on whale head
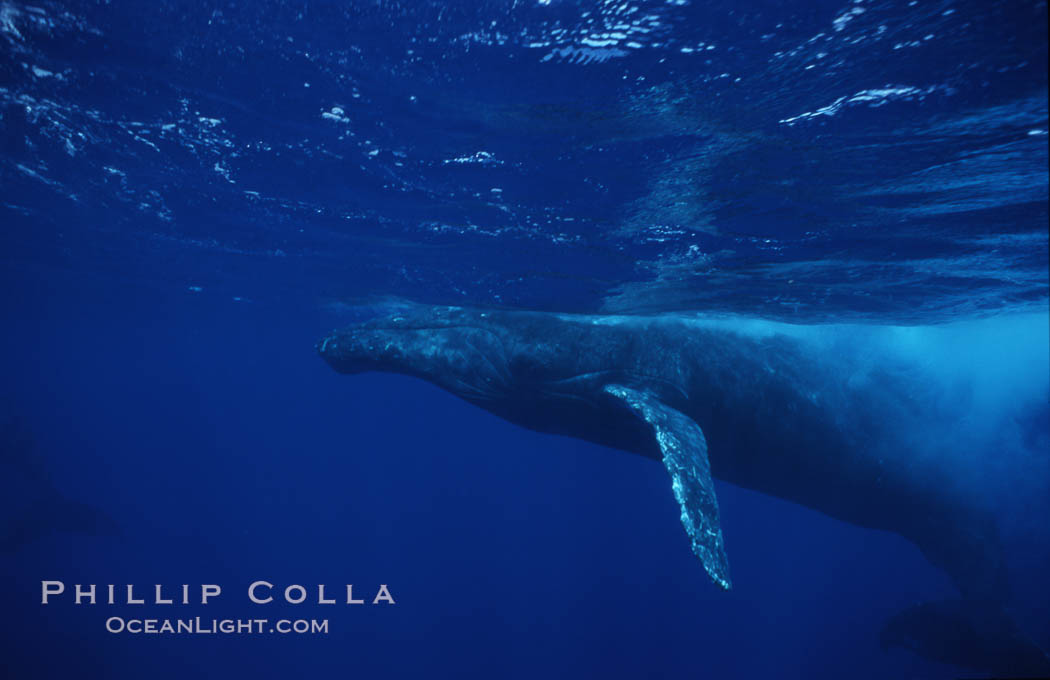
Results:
360 349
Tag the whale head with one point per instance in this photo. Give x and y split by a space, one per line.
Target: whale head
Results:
541 371
459 350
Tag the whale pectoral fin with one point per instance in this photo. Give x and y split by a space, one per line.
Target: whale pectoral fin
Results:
684 450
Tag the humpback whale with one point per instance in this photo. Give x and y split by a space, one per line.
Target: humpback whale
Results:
30 505
709 400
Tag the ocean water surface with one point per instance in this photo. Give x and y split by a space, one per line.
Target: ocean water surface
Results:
193 193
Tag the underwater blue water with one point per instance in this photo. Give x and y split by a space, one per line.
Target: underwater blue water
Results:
192 193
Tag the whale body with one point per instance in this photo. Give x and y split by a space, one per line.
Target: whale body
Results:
853 439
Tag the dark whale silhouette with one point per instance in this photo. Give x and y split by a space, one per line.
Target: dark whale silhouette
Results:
759 410
30 505
967 634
